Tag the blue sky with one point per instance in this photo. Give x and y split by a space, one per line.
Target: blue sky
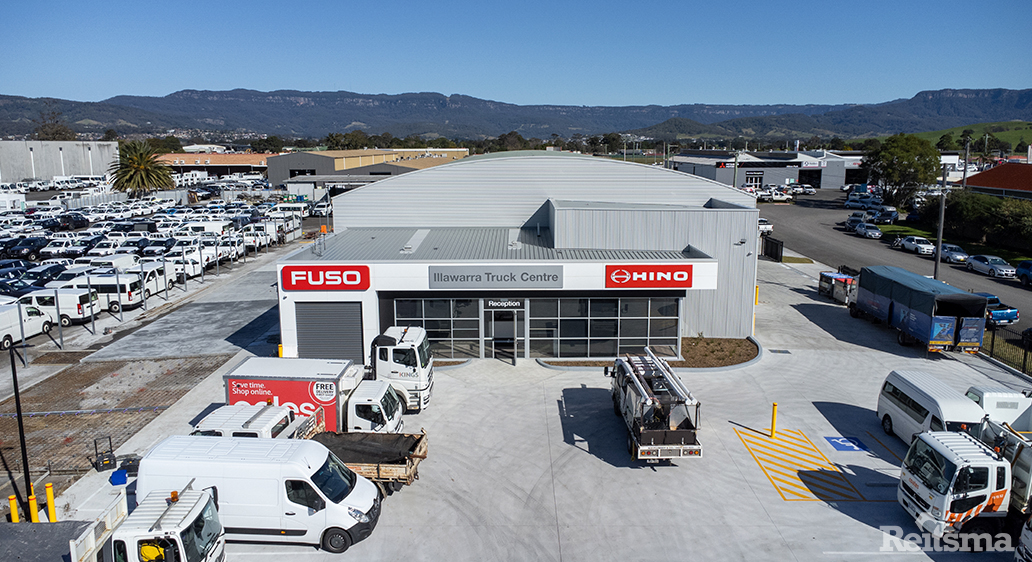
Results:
571 53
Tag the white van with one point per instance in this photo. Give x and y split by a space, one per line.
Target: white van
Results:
116 292
76 305
912 402
250 420
121 262
1003 405
292 208
153 275
35 322
215 227
269 490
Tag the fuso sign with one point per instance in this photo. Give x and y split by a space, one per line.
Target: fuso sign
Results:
649 276
325 278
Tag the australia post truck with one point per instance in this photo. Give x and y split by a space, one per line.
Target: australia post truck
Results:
305 385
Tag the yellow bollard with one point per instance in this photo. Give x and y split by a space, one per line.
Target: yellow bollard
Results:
774 421
279 353
757 303
51 510
33 509
14 508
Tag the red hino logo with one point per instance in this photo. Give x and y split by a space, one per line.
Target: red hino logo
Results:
325 278
649 276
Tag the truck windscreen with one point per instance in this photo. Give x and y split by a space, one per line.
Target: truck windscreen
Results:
424 354
202 534
929 466
334 479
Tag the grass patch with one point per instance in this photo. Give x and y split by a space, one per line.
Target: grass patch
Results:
792 259
696 353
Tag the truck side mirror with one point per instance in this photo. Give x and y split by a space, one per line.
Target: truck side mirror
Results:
214 495
606 371
962 481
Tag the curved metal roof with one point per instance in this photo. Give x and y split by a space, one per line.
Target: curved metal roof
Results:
507 189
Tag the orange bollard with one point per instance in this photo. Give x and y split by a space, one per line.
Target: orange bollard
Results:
51 510
774 421
33 509
14 508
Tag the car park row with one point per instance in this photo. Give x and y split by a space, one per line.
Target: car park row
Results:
50 276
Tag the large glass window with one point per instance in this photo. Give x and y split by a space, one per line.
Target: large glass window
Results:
452 326
601 327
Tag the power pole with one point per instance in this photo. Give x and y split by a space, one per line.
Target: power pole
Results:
967 162
942 218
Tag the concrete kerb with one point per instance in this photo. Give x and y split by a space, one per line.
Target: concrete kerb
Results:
452 367
685 370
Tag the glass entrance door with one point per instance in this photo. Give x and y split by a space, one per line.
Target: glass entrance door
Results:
503 333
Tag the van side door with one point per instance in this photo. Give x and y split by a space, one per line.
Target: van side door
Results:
304 510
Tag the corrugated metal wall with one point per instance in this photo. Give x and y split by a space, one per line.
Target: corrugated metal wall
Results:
508 191
726 312
45 159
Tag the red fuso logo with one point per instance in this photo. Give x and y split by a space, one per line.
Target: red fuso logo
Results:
325 278
649 276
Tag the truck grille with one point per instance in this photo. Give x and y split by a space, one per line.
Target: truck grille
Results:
913 496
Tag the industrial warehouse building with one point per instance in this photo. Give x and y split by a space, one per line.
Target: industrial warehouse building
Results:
819 168
45 160
539 254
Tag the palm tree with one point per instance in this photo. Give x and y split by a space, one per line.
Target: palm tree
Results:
138 169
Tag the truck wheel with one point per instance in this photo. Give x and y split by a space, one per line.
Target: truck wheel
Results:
630 446
396 486
66 320
336 540
616 406
6 343
902 338
854 311
886 424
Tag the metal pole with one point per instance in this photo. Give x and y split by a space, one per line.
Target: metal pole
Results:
164 273
21 325
216 258
143 283
200 257
967 162
21 432
60 324
93 307
118 292
942 219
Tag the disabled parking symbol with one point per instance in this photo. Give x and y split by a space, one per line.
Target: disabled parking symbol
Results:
847 444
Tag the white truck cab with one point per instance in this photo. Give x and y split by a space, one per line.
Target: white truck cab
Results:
246 420
952 482
401 356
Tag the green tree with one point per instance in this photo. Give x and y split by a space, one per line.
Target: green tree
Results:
334 141
50 126
836 144
166 145
138 170
1022 146
870 145
271 144
902 164
946 142
110 135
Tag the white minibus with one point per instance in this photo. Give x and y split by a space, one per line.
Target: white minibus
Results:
912 402
76 305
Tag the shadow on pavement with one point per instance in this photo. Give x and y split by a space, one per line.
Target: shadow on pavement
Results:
835 320
862 423
590 425
256 328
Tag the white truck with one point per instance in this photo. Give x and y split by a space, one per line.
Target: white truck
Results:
401 356
181 524
661 414
975 481
256 420
304 385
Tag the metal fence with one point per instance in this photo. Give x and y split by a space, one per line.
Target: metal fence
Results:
1008 347
773 248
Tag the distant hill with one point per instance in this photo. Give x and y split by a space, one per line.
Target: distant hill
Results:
291 113
925 111
1009 131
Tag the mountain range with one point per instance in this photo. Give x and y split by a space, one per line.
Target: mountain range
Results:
290 113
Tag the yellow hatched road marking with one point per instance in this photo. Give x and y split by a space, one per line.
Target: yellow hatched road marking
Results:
796 468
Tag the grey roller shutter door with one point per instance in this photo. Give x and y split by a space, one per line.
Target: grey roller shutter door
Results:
329 330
